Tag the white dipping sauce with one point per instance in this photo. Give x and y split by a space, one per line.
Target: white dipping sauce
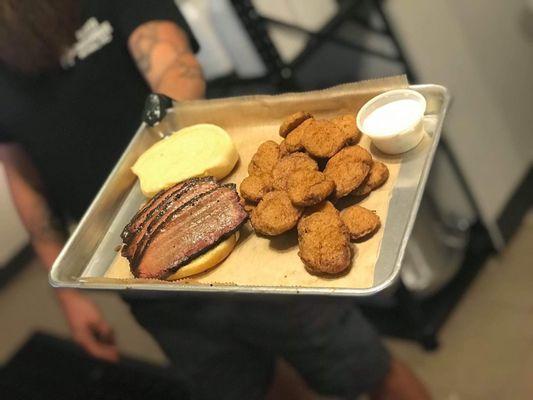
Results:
393 120
393 117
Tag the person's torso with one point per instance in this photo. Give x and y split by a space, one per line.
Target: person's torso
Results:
76 121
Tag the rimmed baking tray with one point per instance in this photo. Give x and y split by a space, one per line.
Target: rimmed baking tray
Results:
92 248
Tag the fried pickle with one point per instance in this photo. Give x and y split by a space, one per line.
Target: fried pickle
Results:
293 141
254 187
378 175
348 126
324 243
348 169
361 222
283 151
289 164
265 158
322 138
292 121
325 206
275 214
308 187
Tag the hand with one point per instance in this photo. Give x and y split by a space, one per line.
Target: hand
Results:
88 326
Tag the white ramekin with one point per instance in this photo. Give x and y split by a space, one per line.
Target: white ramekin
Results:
401 140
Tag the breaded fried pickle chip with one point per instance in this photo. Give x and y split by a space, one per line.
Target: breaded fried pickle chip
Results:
348 169
254 187
289 164
293 141
325 206
283 151
292 121
324 243
264 159
378 175
348 126
361 222
275 214
307 187
322 138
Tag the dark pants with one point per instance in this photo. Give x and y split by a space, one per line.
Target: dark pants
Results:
225 349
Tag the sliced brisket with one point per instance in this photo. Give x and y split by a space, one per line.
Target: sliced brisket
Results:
150 207
167 202
145 212
190 229
177 201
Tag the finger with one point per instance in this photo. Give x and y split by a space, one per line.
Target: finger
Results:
104 352
103 332
105 338
108 352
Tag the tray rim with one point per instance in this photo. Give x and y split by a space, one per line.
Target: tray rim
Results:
263 290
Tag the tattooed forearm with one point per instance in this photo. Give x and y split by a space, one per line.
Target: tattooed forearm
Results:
142 45
179 66
29 196
162 54
143 62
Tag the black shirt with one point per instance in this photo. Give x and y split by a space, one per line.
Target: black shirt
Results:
75 121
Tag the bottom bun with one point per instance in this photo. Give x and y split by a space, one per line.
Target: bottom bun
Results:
207 260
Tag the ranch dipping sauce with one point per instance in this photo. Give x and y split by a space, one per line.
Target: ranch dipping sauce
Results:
392 117
393 120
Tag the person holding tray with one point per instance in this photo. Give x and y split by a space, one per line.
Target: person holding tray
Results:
73 78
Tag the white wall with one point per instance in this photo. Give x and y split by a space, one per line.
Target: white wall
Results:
12 234
504 52
477 50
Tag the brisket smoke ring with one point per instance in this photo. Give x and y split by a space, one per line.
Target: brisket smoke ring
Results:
179 224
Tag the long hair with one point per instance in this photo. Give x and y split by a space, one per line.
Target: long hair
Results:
34 34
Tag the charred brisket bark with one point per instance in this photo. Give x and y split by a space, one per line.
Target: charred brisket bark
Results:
182 223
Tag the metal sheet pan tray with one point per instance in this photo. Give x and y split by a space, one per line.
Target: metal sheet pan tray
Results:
257 265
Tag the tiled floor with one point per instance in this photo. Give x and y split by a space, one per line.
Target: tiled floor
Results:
486 347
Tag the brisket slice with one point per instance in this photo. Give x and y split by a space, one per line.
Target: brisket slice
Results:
150 207
174 199
190 231
145 212
179 199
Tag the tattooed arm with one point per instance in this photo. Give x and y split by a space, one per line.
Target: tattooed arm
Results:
47 236
163 55
46 233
